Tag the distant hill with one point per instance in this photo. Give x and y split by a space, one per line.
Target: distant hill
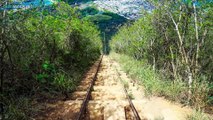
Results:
107 22
109 15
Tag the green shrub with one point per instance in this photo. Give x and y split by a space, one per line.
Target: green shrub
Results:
47 49
18 109
200 97
198 115
168 41
64 82
156 83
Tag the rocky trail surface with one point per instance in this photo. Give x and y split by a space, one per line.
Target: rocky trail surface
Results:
108 100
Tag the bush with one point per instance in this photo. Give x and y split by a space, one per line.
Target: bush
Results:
18 109
155 82
46 49
64 82
167 39
198 115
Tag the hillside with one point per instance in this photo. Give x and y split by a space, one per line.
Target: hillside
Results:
106 60
110 15
130 9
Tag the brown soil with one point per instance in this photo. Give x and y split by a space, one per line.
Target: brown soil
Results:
108 100
153 108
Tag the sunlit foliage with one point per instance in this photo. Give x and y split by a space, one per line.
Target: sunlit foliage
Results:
44 49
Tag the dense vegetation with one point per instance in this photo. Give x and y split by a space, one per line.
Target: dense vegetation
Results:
107 22
77 1
43 51
175 39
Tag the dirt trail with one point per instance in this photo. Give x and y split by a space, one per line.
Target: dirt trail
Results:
154 107
108 100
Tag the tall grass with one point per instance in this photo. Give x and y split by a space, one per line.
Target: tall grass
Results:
155 82
198 115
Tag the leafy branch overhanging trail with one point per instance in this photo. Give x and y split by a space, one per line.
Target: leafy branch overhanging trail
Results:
43 51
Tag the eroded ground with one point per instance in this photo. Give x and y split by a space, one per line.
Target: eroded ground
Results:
108 100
